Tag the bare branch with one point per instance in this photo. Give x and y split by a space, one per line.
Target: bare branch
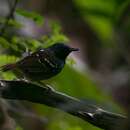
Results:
10 15
20 90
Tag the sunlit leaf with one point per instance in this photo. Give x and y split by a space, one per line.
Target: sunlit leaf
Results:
4 59
19 128
14 23
32 15
4 43
55 27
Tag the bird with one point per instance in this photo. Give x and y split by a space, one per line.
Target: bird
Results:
42 64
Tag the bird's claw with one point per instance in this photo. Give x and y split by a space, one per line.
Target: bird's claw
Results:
24 80
49 88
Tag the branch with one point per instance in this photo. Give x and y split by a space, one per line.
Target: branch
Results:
10 15
21 90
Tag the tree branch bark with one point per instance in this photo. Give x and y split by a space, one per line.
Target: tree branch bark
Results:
10 16
21 90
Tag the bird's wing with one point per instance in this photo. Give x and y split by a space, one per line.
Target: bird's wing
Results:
38 62
48 58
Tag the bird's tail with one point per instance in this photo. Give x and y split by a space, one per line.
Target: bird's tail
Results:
8 67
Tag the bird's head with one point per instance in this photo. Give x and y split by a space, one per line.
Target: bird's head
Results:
61 50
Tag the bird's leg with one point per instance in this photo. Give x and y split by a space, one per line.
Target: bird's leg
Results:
49 88
23 79
20 76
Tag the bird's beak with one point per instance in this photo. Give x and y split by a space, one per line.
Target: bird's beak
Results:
74 49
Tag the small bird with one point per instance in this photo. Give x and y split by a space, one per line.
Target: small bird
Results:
42 64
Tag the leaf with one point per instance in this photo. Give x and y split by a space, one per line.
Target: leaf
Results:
19 128
37 18
54 38
14 23
11 22
5 59
33 44
55 27
71 61
4 43
8 76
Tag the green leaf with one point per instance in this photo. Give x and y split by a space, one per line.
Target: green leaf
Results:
14 23
37 18
33 44
19 128
58 37
4 43
11 22
71 61
55 27
5 59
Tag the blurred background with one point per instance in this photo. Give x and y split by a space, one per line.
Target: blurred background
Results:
98 74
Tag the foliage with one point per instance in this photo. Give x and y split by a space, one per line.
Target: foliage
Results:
32 15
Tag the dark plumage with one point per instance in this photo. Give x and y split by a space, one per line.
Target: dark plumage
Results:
42 64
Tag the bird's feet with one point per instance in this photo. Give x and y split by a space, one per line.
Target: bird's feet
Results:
23 79
48 87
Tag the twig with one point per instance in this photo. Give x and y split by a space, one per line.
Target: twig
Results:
10 15
20 90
